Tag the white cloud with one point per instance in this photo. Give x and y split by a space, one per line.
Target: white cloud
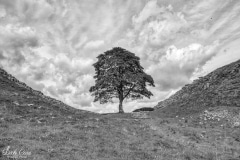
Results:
2 12
94 44
150 9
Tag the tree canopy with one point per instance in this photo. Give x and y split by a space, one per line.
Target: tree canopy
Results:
120 75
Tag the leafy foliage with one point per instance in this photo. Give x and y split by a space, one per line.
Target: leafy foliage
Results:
120 75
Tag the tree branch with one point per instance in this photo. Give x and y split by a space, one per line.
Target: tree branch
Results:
129 91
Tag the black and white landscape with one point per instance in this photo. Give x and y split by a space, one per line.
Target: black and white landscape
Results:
119 80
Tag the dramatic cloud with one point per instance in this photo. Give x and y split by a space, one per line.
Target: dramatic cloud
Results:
52 44
177 66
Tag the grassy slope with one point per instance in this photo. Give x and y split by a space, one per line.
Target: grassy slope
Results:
219 88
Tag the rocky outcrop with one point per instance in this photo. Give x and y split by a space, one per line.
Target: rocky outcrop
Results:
219 88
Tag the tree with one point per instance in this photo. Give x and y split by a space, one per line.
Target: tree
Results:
119 75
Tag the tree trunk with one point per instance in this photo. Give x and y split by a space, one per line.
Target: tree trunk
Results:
120 96
120 105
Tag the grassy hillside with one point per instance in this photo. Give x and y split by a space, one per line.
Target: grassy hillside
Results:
219 88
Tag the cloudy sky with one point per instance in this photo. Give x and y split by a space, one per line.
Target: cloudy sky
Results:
51 44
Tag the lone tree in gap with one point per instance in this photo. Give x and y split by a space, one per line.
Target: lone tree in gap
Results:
119 75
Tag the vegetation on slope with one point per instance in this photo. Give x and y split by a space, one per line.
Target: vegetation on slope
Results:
219 88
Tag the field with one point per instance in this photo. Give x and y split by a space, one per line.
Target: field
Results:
130 136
